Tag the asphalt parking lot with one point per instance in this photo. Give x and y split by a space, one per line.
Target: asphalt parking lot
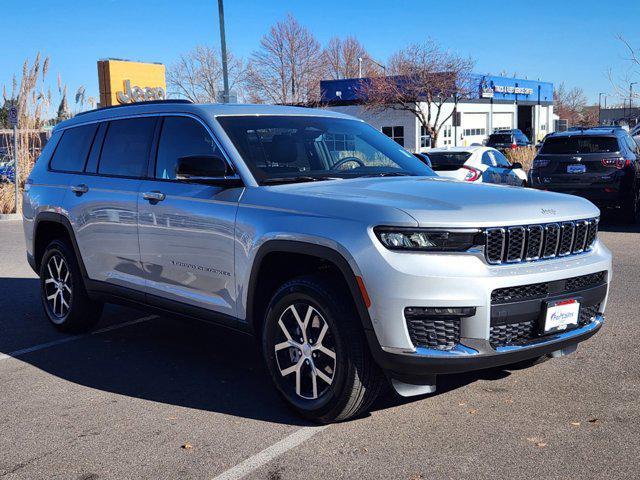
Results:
150 397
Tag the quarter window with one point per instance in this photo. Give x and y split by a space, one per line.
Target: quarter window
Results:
182 137
125 152
73 148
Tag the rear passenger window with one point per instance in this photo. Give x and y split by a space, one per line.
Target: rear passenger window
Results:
182 137
73 148
126 147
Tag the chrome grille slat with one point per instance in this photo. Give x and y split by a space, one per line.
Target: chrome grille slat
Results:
580 236
567 232
515 244
534 242
528 243
551 240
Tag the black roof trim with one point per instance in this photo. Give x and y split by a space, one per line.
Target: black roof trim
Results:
150 102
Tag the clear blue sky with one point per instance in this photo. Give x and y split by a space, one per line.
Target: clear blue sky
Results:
555 40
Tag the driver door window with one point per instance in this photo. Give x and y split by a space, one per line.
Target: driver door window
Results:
182 137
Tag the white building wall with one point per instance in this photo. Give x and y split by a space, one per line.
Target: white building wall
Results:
474 116
389 118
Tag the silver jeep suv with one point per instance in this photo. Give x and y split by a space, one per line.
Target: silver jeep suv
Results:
343 253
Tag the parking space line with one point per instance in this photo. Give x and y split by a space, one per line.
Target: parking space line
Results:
42 346
265 456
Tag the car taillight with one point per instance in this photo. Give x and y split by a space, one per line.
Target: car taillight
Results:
472 175
616 162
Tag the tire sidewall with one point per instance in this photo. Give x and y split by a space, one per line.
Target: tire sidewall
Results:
60 248
305 293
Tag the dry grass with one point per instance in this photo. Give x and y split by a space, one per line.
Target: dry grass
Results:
33 107
523 155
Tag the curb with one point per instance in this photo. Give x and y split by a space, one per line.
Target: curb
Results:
10 216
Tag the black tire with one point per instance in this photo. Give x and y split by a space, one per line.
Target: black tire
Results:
355 377
631 208
60 276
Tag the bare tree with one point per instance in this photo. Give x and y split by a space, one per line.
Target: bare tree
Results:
197 75
622 85
423 79
570 104
288 66
341 59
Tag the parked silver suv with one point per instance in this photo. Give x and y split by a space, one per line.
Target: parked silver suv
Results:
340 250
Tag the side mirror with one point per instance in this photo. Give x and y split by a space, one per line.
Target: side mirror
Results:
424 159
516 165
201 167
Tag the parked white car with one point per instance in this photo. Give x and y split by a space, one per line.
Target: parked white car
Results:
476 164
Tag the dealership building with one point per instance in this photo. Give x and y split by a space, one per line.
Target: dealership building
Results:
498 103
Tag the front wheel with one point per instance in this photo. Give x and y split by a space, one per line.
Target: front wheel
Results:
315 350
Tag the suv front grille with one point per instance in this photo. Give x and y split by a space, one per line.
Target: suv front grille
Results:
533 242
541 290
523 332
511 334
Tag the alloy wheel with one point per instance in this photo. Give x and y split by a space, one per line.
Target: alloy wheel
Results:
57 287
305 351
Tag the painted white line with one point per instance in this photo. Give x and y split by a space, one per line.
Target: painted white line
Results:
265 456
42 346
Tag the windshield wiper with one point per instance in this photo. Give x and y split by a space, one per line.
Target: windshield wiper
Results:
389 174
298 179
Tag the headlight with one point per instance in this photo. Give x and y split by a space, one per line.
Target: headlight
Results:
429 240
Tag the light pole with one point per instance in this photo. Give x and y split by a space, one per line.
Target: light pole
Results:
600 106
223 47
631 100
360 59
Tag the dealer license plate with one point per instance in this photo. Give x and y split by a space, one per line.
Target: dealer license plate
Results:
577 168
561 315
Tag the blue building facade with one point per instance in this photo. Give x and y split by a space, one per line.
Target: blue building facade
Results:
500 89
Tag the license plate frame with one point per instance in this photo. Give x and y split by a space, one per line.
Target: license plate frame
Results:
561 315
576 168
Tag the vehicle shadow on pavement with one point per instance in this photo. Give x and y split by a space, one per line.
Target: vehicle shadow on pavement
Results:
445 383
183 363
167 360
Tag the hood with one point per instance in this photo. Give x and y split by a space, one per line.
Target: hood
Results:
439 202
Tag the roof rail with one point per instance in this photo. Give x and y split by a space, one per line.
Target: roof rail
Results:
150 102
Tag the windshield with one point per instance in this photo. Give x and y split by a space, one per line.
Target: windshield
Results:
306 148
448 160
499 138
580 144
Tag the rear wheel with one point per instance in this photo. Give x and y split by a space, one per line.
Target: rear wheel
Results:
316 352
62 291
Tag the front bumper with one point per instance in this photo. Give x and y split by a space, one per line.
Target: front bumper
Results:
476 354
468 281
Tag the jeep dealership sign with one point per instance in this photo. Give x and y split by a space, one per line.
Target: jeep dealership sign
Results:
123 82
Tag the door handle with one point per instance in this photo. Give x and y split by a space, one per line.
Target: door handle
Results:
79 189
154 197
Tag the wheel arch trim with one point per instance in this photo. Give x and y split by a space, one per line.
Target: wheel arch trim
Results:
60 219
305 248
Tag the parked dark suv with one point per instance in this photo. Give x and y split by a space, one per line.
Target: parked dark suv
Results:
597 164
508 139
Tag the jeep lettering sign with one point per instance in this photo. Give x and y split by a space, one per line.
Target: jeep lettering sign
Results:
138 94
123 82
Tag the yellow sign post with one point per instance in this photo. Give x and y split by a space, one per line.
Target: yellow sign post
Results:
122 82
